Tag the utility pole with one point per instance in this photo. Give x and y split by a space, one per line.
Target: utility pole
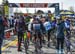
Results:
62 5
35 7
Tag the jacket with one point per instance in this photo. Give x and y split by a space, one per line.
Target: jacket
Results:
60 30
2 28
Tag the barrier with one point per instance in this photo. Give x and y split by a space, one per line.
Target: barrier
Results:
9 32
9 29
7 35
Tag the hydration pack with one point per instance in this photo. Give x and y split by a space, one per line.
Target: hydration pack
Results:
47 25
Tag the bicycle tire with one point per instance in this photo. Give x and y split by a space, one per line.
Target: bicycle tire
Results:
26 43
25 46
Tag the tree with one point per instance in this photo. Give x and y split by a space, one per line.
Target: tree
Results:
71 8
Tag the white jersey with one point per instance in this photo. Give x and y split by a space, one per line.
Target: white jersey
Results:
66 25
29 26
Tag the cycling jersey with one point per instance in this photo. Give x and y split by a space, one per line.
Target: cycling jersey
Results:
67 24
29 27
36 26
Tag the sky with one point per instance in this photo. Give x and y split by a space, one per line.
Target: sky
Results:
64 4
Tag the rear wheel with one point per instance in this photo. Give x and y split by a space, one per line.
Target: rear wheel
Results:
26 46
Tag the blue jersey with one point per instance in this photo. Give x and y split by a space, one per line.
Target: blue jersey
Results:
67 24
53 24
36 25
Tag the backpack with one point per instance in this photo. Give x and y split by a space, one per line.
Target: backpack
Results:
47 26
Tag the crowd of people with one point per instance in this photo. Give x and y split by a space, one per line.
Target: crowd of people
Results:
41 25
44 25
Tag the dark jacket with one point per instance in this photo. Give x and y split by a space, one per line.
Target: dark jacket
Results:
20 25
2 28
60 30
11 21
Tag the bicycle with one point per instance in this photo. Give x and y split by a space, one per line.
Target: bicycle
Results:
68 42
26 42
44 36
37 43
53 37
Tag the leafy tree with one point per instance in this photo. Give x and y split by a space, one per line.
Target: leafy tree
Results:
71 8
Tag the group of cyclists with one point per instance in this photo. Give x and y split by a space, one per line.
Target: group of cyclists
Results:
44 30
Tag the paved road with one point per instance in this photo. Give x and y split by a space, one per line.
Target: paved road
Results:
10 47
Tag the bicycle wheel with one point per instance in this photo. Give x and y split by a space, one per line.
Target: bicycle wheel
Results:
25 42
25 46
37 44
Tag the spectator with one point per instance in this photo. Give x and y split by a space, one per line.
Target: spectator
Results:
5 22
2 28
60 36
20 27
11 20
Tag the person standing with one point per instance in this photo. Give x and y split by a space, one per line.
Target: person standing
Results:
11 20
2 28
60 36
20 27
47 26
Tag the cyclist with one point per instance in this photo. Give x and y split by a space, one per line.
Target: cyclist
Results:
53 32
67 37
60 36
47 26
20 26
36 28
67 26
29 27
42 20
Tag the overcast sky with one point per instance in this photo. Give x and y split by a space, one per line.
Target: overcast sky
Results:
66 3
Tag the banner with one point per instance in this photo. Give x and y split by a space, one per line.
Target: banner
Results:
29 5
37 5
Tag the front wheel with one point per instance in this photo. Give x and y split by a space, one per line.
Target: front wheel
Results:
26 46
